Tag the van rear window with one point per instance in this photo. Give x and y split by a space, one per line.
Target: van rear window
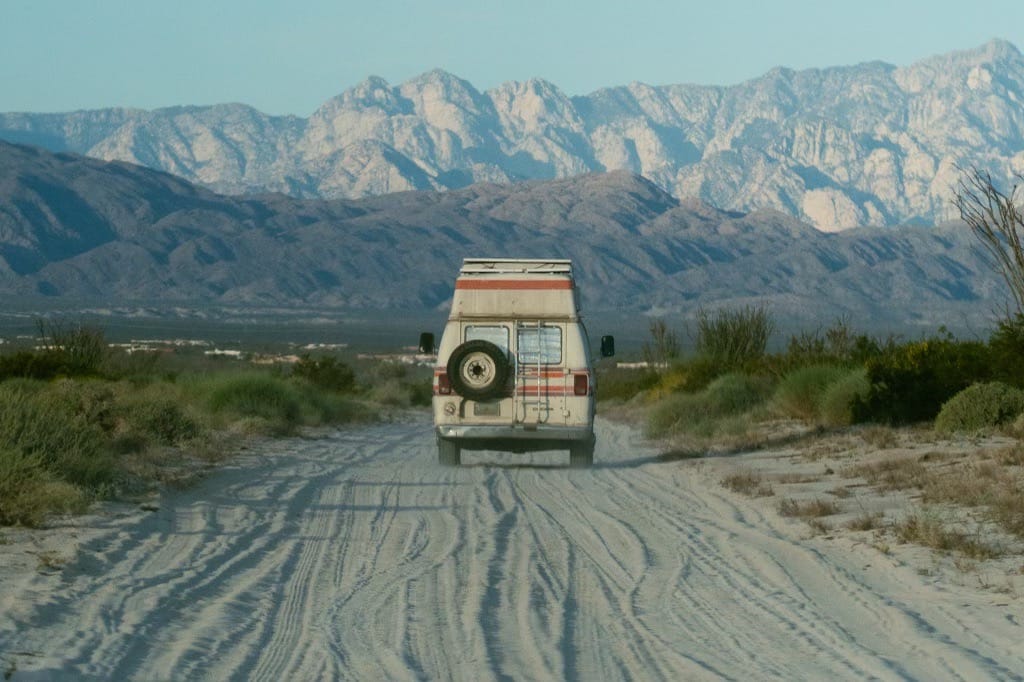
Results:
496 334
540 345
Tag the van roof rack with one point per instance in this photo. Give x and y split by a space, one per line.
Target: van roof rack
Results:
516 265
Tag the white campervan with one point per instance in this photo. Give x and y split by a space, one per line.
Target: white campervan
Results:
513 366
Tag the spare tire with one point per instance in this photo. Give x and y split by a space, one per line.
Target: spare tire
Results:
478 370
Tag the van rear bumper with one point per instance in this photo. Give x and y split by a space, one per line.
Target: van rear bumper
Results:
513 437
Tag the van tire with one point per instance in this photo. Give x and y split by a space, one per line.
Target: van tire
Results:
581 454
478 370
448 453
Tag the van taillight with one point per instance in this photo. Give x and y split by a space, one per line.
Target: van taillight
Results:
580 384
444 387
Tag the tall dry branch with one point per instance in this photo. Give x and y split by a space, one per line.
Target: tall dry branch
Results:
997 221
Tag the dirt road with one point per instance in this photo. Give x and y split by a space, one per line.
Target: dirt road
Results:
354 556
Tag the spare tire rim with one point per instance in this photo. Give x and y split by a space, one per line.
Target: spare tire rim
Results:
478 370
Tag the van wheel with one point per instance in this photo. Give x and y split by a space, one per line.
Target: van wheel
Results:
478 370
581 454
448 453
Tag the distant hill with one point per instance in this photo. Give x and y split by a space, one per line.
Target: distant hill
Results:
870 144
75 228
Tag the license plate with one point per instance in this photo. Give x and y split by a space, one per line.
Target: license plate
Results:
487 410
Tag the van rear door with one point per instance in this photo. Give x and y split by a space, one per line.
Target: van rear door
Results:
541 379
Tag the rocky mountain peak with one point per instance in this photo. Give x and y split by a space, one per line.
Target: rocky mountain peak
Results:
869 144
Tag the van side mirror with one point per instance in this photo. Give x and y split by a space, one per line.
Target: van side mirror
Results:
607 346
427 343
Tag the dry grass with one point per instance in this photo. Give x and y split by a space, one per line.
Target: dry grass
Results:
881 437
796 478
748 483
898 473
49 560
997 489
819 526
931 531
841 492
1011 456
810 509
994 484
866 521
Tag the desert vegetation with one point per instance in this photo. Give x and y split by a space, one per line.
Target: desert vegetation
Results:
827 378
81 421
730 395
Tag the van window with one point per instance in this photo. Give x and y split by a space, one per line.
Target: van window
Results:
496 334
540 344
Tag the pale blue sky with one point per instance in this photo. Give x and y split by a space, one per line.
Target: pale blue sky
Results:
60 55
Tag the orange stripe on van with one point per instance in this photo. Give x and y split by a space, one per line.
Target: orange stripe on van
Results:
516 284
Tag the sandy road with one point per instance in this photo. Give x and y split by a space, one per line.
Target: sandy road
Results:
354 556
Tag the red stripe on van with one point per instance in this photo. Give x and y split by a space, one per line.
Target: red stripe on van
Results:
515 284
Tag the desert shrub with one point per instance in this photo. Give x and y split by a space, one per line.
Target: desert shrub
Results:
1007 348
83 348
420 392
93 401
834 344
837 344
25 364
663 346
327 373
835 407
688 376
676 412
162 420
139 368
733 339
735 393
623 384
800 392
327 407
980 406
28 491
703 412
910 382
256 395
67 445
390 392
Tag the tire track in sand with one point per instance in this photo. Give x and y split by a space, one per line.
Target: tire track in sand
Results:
354 556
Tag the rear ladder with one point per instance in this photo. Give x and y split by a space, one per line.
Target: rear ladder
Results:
521 399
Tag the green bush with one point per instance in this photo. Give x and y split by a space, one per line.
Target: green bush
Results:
28 491
91 400
390 392
733 339
799 393
421 392
623 384
677 412
67 445
327 372
32 365
1007 348
836 345
687 376
980 406
735 393
318 407
910 382
257 395
162 420
836 405
727 396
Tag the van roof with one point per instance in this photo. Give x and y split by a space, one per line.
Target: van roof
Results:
537 288
540 266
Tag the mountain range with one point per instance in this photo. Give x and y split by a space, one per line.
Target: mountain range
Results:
865 145
81 229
